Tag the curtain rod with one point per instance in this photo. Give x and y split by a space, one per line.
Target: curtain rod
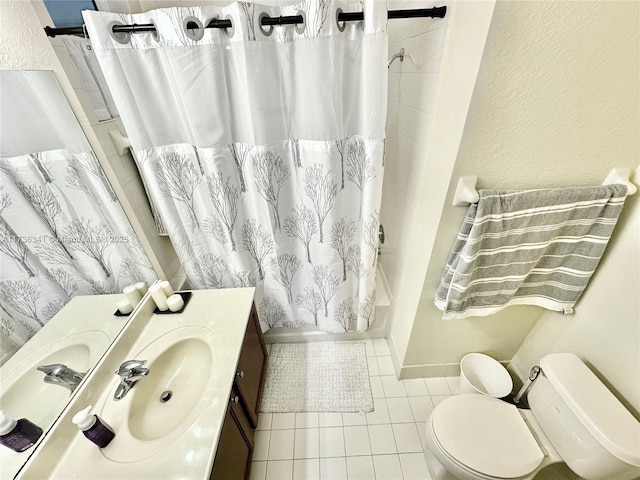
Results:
437 12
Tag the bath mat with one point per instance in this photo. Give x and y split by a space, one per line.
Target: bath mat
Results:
317 377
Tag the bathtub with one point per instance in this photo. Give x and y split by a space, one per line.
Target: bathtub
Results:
310 333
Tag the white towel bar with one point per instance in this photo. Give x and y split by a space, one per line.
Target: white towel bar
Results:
466 191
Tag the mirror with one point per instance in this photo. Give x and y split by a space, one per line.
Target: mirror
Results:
66 251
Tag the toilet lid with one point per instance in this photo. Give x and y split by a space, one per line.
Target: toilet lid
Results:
486 435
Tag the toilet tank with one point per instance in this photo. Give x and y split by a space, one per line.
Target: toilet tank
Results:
593 432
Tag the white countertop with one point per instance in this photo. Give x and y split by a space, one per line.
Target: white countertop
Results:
65 453
86 318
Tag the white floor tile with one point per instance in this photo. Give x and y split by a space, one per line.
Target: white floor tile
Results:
421 407
258 471
380 412
454 384
392 386
333 468
381 439
385 366
307 443
407 438
372 363
360 468
437 386
381 347
264 421
307 469
331 442
306 420
387 467
399 410
351 419
423 434
414 466
281 445
356 441
416 387
369 348
376 387
283 421
331 419
436 399
280 470
261 445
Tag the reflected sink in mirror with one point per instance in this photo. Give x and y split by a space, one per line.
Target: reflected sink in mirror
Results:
26 395
163 404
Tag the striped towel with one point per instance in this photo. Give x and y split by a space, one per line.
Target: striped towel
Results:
535 247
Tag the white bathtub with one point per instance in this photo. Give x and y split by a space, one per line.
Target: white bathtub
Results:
310 333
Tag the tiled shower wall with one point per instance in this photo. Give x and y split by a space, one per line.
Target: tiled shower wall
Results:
411 98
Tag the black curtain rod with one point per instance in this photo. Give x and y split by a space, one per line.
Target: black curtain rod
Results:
437 12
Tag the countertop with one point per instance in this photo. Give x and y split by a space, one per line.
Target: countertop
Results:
65 453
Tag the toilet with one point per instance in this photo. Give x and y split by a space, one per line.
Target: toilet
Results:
573 419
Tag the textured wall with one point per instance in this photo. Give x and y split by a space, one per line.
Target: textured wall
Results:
555 104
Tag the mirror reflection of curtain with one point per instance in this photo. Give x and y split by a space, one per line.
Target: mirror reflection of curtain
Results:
262 151
86 65
62 230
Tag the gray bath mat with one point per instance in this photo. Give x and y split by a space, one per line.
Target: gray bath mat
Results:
317 377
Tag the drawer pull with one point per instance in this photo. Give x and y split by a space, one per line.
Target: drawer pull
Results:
240 374
235 399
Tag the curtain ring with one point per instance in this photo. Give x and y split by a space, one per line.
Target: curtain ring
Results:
120 37
194 33
341 26
266 33
231 30
300 27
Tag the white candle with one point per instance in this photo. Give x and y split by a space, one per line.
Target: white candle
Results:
166 286
175 302
159 297
125 307
141 287
132 294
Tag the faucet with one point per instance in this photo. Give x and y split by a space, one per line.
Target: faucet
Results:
130 372
62 375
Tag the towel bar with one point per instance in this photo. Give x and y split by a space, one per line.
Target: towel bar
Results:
466 191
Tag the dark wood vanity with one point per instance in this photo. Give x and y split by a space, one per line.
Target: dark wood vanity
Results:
235 447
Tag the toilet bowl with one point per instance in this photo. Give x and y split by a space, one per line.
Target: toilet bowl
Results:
574 419
499 446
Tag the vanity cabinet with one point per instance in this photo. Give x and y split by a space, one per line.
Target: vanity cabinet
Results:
235 446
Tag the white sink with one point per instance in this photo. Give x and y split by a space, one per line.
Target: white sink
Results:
166 402
24 392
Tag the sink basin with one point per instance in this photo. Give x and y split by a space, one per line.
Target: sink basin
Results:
174 385
24 393
166 402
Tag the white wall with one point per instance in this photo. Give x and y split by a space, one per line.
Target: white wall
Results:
605 329
428 105
555 104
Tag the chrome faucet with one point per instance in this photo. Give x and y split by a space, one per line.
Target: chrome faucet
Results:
130 372
62 375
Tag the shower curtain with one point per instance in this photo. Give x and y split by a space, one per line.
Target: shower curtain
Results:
262 147
62 230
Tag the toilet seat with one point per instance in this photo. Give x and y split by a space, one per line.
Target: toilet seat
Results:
485 435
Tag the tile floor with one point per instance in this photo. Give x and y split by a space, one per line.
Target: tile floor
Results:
384 444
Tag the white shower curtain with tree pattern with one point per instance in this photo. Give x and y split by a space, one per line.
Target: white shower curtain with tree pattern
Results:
263 148
62 230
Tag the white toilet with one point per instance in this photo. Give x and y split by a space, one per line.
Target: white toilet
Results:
573 418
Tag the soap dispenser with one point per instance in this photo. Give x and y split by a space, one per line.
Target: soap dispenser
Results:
93 428
18 435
